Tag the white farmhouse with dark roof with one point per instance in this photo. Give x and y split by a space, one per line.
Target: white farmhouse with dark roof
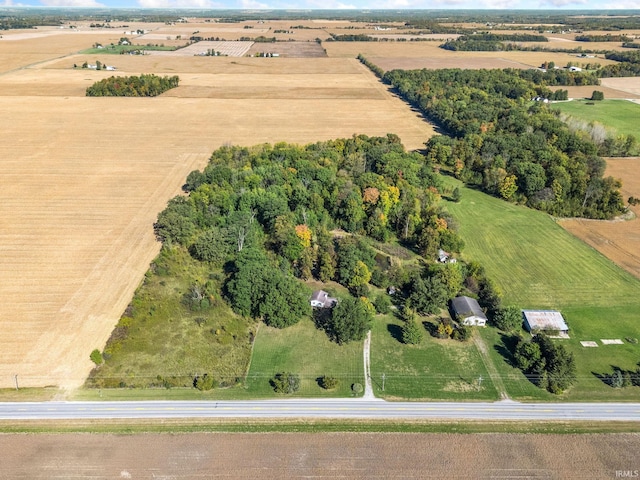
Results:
321 299
467 310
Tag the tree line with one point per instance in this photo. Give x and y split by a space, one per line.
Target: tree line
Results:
145 85
603 38
509 146
490 42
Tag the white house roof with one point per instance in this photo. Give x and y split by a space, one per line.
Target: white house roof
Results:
544 320
322 298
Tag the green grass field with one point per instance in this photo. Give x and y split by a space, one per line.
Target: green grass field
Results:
121 49
538 265
534 262
306 351
167 343
433 370
620 115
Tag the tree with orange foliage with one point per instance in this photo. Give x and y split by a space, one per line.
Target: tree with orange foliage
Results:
304 234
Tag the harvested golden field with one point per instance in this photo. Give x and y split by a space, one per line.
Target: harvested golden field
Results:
628 85
428 54
618 240
623 87
319 455
610 89
84 178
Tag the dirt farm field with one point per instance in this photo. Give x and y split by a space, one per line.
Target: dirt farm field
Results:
342 455
84 178
618 240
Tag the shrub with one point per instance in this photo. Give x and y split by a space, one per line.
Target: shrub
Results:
204 382
462 334
508 318
96 357
412 332
357 388
382 304
445 329
456 195
285 382
329 383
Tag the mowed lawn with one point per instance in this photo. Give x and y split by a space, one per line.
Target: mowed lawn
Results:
534 262
435 369
538 265
621 115
304 350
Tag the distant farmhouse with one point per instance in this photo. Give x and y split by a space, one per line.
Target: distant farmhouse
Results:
467 310
545 321
321 299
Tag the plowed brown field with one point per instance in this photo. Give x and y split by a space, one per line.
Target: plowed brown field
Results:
83 179
342 455
618 240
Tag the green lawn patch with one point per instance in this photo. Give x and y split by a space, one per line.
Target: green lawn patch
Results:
619 115
538 265
534 262
123 49
432 370
304 350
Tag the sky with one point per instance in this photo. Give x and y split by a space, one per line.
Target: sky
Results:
545 5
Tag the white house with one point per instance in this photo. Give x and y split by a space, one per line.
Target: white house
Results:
467 310
321 299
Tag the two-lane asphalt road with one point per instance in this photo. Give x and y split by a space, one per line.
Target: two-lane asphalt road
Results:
324 408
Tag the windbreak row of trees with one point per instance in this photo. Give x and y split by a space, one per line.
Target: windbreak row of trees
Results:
603 38
513 148
146 85
490 42
274 212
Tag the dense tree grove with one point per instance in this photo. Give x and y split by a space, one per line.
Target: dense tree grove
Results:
270 213
490 42
549 365
512 148
603 38
146 85
628 66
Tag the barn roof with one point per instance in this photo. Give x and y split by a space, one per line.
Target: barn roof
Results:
544 320
466 307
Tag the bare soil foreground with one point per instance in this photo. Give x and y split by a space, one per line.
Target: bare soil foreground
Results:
83 179
617 239
340 455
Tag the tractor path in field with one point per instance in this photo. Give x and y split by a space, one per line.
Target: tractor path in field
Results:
491 368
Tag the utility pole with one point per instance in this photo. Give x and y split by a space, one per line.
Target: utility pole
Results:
480 381
383 377
15 377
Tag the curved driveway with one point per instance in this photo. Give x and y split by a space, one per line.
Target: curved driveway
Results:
324 408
